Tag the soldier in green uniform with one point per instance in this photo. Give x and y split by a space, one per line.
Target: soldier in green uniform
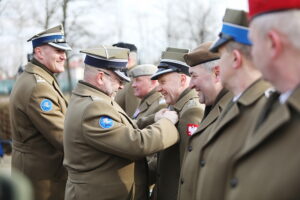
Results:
101 141
37 109
145 89
173 78
151 102
239 75
125 97
267 167
205 79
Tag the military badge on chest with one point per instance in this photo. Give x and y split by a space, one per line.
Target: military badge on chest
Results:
191 129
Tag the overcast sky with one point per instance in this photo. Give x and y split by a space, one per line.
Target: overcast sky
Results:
146 12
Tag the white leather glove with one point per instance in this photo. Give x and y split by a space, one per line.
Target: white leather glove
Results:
171 115
159 114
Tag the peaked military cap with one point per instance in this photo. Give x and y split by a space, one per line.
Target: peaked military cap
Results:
53 36
235 28
259 7
172 60
201 55
142 70
108 57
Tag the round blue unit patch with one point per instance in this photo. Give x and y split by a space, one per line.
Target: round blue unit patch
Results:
46 105
106 122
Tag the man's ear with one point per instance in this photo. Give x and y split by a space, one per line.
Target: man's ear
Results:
237 59
99 78
38 52
183 79
274 43
216 72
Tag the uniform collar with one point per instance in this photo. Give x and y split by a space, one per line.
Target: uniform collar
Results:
253 92
36 69
85 89
184 97
294 99
151 97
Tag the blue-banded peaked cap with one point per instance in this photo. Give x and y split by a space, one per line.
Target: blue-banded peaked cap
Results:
235 28
172 60
108 57
54 37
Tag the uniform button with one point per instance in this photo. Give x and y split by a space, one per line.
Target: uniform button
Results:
202 163
181 181
190 148
233 182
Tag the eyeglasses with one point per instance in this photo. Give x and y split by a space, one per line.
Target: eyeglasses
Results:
121 81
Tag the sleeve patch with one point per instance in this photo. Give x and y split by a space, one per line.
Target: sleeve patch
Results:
46 105
191 129
106 122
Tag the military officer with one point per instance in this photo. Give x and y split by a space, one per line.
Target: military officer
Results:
173 78
145 89
37 109
101 141
151 102
125 97
267 165
240 76
205 79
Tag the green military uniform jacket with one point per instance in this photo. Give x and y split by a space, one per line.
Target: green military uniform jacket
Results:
37 109
126 99
144 116
267 167
225 140
101 145
151 104
191 164
169 161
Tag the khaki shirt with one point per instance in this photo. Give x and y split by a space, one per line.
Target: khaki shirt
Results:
37 108
169 161
102 143
225 140
191 164
267 167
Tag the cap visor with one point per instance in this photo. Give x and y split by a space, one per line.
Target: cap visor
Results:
159 73
122 75
62 46
216 45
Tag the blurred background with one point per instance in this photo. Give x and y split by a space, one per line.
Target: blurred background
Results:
152 25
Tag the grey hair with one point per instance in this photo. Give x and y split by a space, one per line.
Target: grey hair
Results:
209 66
89 71
286 22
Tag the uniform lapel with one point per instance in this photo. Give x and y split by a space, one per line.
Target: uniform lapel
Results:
279 116
215 112
224 119
57 88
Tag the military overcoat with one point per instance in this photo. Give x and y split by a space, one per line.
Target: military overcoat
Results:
268 165
37 109
226 139
169 161
102 143
191 163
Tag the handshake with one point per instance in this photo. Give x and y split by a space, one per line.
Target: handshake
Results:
165 113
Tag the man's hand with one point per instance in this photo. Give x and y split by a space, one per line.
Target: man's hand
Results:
165 113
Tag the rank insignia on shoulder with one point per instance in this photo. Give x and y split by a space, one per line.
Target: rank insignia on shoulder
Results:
46 105
106 122
191 129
